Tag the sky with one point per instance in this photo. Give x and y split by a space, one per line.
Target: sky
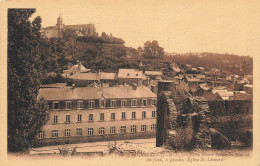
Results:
178 25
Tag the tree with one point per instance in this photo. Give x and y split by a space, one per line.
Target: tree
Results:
153 50
26 113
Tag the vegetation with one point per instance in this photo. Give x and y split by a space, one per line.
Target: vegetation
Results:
26 114
228 63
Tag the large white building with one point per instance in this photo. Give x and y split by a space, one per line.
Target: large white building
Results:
98 113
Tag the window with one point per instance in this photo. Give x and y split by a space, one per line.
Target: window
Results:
123 129
113 116
91 104
102 116
153 127
80 104
41 135
56 105
55 119
101 131
79 118
153 102
67 132
144 114
123 103
90 131
54 133
133 102
113 103
123 115
68 105
153 114
67 118
90 118
133 128
133 115
112 130
79 132
143 128
144 102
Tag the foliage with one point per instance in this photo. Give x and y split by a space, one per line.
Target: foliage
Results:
26 114
103 39
229 63
152 50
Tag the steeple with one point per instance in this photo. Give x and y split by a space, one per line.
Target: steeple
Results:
60 22
60 26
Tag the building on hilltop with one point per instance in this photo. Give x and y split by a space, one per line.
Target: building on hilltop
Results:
57 31
98 114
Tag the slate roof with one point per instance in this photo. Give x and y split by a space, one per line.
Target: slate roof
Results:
85 93
153 73
130 73
85 76
108 76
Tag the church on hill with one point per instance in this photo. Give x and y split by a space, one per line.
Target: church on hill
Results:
58 30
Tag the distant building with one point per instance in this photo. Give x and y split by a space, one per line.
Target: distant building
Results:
131 76
155 75
248 88
75 69
57 31
195 78
98 114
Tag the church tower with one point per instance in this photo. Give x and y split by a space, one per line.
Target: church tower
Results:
60 26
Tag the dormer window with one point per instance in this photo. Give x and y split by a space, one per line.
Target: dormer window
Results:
68 105
123 103
56 105
80 104
144 102
153 102
113 103
91 104
133 102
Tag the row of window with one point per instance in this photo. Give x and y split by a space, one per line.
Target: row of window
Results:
91 104
101 131
102 116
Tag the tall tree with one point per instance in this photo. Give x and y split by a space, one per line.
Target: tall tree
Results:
153 50
26 114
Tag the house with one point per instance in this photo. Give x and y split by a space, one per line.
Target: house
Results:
195 78
108 78
248 88
130 76
75 69
155 75
86 114
85 79
215 102
196 90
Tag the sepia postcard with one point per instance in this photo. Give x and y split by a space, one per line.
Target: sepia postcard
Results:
137 82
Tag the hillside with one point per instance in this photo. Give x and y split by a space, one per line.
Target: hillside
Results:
226 62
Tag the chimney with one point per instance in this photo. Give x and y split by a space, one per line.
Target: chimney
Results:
134 86
72 86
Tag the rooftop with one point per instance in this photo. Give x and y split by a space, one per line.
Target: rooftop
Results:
154 73
85 76
130 73
108 76
82 93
